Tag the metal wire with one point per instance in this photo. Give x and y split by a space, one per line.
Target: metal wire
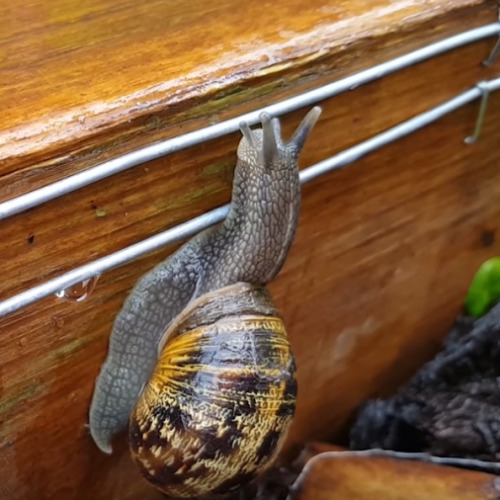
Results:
496 49
485 94
116 165
206 220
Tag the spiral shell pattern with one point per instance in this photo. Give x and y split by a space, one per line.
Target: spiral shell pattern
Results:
219 404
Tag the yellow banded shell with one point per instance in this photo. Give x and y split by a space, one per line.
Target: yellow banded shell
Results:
222 397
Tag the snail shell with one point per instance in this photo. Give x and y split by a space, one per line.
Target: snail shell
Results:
218 406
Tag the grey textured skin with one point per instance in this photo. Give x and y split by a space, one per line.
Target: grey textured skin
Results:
249 246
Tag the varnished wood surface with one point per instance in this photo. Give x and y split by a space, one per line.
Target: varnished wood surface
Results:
337 476
82 83
385 247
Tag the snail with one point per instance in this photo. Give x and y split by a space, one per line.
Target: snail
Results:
199 365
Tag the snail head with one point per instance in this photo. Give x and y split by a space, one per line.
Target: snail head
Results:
265 146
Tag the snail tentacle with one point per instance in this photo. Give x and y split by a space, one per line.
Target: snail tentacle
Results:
304 129
270 141
246 132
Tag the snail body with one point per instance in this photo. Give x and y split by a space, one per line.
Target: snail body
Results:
221 398
199 350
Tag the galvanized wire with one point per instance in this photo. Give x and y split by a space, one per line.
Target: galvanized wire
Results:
168 146
206 220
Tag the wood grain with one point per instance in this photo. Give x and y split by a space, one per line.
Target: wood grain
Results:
385 247
82 83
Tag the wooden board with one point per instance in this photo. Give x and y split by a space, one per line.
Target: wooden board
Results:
385 247
344 476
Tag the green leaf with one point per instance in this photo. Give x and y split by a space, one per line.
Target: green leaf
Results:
484 290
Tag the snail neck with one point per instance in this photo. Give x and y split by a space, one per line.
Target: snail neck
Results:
251 245
262 220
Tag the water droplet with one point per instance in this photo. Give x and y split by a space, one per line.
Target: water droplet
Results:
78 292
